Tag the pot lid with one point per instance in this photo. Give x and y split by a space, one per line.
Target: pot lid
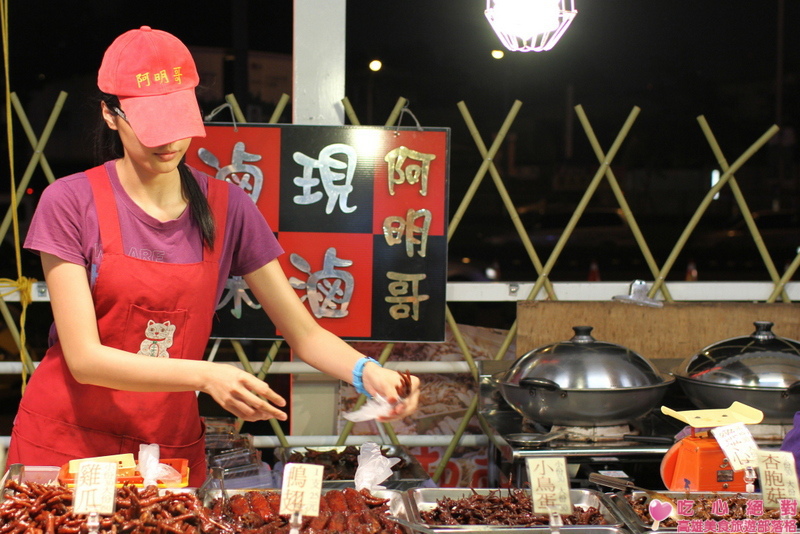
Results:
585 363
761 360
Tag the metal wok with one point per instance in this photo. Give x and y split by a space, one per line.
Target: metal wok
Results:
778 404
583 382
545 402
761 370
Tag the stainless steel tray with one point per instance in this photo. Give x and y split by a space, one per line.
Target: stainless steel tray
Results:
426 499
398 500
635 523
587 529
411 475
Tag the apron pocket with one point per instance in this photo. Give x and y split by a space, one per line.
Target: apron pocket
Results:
158 334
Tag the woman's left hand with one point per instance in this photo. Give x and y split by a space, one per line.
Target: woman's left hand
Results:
388 383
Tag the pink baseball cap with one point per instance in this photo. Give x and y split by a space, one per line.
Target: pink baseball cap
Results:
154 76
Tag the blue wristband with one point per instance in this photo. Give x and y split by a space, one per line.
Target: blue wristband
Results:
358 372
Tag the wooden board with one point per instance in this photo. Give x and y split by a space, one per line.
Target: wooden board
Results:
664 335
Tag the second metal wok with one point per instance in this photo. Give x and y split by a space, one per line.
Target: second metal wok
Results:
761 370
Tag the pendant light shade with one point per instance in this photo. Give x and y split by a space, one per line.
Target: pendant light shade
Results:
530 25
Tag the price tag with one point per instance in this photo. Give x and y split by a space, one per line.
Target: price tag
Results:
549 485
95 488
738 445
778 478
301 489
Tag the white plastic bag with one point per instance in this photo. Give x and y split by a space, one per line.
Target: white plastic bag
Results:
373 467
374 408
151 468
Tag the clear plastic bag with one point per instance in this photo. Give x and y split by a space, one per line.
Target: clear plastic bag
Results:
373 467
152 470
375 408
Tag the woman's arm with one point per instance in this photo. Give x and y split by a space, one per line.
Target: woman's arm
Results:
90 362
317 346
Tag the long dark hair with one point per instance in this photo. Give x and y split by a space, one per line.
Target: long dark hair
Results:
107 146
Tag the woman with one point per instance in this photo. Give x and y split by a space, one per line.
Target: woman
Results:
136 253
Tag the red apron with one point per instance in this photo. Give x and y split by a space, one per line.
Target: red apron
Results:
151 308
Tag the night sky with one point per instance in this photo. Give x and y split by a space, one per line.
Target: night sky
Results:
675 59
616 53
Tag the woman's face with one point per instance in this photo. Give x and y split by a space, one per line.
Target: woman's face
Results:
155 160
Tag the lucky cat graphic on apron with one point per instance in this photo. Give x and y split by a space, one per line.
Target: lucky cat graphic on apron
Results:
158 338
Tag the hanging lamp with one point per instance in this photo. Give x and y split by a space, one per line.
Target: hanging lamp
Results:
530 25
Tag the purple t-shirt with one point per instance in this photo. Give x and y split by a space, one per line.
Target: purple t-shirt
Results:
65 225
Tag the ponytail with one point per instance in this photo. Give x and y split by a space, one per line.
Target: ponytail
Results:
198 204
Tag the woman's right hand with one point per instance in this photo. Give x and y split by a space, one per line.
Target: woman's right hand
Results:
242 394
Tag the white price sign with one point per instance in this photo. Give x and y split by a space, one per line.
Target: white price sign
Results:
301 489
778 478
549 485
95 488
738 445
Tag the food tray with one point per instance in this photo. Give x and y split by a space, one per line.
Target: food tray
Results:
181 465
426 499
637 524
398 502
585 529
39 474
411 475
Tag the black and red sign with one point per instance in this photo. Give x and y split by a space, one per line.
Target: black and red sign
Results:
362 215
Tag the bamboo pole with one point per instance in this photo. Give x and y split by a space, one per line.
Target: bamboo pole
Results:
27 363
281 105
761 141
28 129
273 351
487 160
583 202
742 203
350 112
509 205
393 116
462 426
451 321
473 407
784 279
623 203
245 361
34 161
237 111
398 108
460 342
487 165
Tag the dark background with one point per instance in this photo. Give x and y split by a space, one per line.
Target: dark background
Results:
674 59
737 63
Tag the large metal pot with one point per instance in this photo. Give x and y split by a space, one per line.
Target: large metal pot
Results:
583 382
761 370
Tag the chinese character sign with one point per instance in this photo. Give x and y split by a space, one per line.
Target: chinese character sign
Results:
362 215
95 488
738 444
301 489
778 479
550 487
